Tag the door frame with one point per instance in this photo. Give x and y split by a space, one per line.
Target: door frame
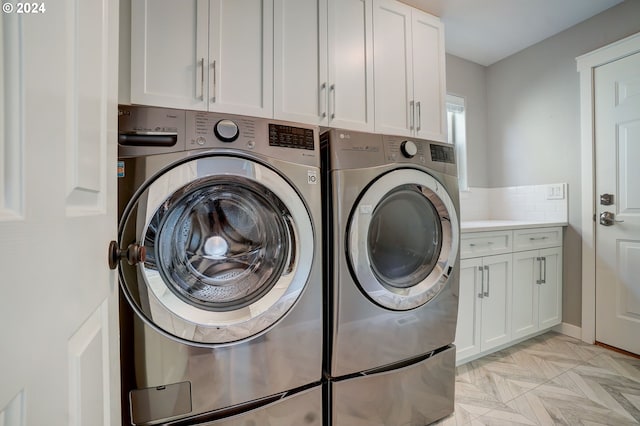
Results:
586 67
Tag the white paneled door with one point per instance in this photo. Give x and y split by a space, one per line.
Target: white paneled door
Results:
58 300
617 134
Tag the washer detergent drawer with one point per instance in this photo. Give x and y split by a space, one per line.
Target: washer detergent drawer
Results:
415 394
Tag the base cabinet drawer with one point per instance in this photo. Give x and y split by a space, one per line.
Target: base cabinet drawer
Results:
477 244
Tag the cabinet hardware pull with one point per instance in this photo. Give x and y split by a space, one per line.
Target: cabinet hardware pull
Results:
488 281
419 125
540 280
544 279
481 294
538 238
488 243
332 89
321 107
213 65
411 114
202 79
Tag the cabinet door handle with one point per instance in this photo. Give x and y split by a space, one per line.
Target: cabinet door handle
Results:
486 294
544 279
332 89
419 125
540 280
213 65
202 79
411 114
481 294
322 106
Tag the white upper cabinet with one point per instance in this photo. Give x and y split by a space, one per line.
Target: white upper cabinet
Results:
311 61
409 71
168 50
214 55
241 57
300 61
323 62
350 102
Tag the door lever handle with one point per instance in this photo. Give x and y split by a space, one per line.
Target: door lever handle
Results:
608 219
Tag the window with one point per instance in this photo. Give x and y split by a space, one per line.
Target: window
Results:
457 136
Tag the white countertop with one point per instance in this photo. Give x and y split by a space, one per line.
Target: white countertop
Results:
500 225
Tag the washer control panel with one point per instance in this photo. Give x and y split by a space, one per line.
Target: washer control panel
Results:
226 130
277 139
290 136
408 149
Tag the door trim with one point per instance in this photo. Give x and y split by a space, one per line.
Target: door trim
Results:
586 65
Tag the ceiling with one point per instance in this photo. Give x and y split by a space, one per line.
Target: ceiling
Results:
486 31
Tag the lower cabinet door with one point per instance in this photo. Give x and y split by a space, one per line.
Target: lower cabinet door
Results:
496 301
550 298
469 309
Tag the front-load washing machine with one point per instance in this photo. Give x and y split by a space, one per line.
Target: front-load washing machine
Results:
219 258
392 234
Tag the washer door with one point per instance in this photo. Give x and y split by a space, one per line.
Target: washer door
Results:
225 259
403 239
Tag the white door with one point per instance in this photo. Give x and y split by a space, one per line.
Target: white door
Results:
58 299
617 135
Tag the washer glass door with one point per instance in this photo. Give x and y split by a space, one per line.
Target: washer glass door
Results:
224 255
403 239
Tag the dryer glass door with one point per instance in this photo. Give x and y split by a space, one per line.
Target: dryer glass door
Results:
403 239
225 259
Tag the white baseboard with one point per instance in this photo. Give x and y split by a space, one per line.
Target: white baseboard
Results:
569 330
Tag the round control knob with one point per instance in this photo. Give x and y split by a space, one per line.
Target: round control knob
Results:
226 130
408 149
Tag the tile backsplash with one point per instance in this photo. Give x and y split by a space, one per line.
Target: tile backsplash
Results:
531 202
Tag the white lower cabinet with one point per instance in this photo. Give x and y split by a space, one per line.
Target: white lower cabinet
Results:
537 290
508 296
485 290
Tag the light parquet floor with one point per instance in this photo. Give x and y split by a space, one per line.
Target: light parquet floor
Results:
550 379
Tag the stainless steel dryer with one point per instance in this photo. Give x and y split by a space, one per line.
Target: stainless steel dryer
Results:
220 269
392 266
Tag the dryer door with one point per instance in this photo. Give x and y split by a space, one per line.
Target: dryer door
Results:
403 238
225 259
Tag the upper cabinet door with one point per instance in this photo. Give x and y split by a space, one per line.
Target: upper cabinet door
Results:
169 53
241 57
409 68
350 56
393 51
300 84
429 86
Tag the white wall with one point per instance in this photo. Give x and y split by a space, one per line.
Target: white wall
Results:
468 80
533 127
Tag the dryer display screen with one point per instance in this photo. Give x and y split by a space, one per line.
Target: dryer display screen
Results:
442 154
290 137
